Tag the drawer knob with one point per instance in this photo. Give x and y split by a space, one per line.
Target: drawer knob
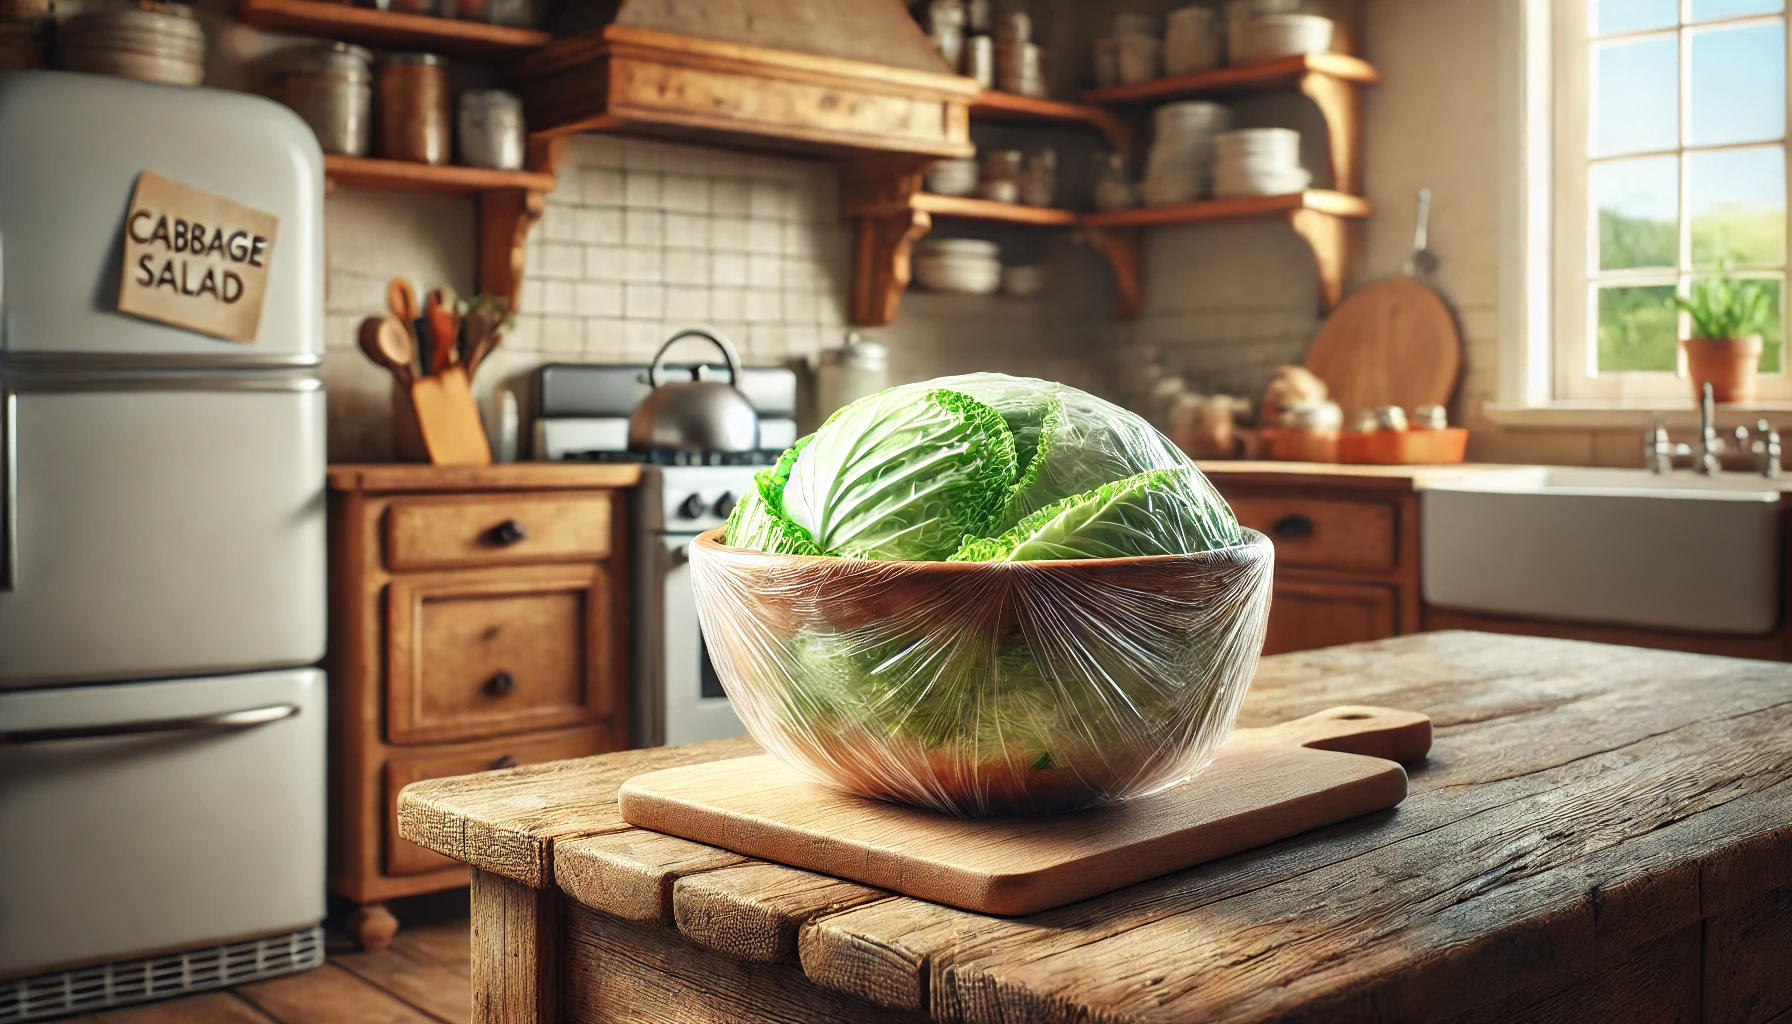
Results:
508 532
1293 526
503 762
500 684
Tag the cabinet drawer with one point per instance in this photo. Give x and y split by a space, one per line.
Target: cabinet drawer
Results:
1324 533
476 655
404 857
456 531
1307 614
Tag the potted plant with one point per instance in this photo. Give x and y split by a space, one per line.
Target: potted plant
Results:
1725 348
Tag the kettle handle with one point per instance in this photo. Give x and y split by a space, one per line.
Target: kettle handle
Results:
657 372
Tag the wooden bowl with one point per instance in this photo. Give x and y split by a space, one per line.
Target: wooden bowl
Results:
986 688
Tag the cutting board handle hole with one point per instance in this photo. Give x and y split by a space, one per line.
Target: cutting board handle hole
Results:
1351 718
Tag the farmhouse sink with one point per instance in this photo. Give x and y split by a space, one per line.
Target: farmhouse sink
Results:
1623 546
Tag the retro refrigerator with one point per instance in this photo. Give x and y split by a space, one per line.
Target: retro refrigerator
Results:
162 721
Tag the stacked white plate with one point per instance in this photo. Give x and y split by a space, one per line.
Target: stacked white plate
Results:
1258 162
968 265
1273 36
1180 167
953 177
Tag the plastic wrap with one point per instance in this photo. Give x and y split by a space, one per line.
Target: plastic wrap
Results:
1030 602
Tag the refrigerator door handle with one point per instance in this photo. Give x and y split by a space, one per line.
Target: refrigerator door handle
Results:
226 721
9 489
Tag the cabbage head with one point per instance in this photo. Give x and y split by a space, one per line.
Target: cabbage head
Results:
904 475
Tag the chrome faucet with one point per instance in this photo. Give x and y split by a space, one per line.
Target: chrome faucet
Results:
1708 463
1766 448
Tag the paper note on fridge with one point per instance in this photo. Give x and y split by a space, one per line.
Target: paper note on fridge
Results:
194 259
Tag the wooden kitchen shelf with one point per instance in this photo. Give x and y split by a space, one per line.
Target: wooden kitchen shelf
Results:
993 106
403 175
1321 218
968 208
393 29
1335 204
510 202
1333 81
1283 73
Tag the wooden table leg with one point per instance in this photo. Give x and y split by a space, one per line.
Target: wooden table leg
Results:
516 952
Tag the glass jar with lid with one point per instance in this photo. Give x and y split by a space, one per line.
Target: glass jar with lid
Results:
330 85
491 131
414 108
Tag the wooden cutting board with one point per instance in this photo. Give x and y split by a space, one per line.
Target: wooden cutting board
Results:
449 419
1264 785
1394 342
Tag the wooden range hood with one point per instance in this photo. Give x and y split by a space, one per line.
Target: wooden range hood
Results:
840 79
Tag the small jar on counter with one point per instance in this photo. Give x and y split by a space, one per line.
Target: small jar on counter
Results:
415 109
330 85
491 130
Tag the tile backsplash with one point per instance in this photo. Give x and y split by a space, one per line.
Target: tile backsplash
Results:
640 238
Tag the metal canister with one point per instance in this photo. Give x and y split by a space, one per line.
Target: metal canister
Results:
980 60
491 129
1389 417
414 108
1430 417
330 85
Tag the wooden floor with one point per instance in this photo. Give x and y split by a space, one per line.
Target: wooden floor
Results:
422 979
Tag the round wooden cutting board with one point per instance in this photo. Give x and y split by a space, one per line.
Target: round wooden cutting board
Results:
1391 343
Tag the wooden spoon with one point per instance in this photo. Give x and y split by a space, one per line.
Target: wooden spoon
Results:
401 299
386 342
444 328
481 339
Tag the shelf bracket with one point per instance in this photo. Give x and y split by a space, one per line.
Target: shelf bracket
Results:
878 194
1340 103
506 217
881 268
1329 236
1122 248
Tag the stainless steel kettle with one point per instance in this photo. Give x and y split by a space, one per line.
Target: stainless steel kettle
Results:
694 415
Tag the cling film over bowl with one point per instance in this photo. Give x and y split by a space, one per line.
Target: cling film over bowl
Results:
985 595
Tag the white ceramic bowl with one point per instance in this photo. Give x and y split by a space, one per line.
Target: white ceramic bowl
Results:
966 275
1025 281
1257 142
1273 36
978 247
1191 115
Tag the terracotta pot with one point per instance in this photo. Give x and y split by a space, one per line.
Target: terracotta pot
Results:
1728 363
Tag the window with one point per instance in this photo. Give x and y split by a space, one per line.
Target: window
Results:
1670 163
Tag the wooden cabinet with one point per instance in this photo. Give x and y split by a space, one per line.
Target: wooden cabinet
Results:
1307 613
477 622
1347 548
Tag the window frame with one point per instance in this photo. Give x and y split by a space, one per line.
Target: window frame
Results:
1575 224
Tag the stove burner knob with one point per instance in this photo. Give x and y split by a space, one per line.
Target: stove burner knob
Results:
725 504
691 508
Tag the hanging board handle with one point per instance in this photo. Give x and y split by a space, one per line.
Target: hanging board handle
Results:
1402 736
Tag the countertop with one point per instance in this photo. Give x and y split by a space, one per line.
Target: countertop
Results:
1599 833
1401 479
420 477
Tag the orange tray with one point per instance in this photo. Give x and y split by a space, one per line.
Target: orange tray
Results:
1404 447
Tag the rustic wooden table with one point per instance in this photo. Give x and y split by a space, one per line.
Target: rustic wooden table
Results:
1600 833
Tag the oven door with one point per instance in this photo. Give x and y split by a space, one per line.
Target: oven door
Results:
683 701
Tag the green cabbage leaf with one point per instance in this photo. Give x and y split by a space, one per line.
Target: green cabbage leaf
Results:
1160 512
904 475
